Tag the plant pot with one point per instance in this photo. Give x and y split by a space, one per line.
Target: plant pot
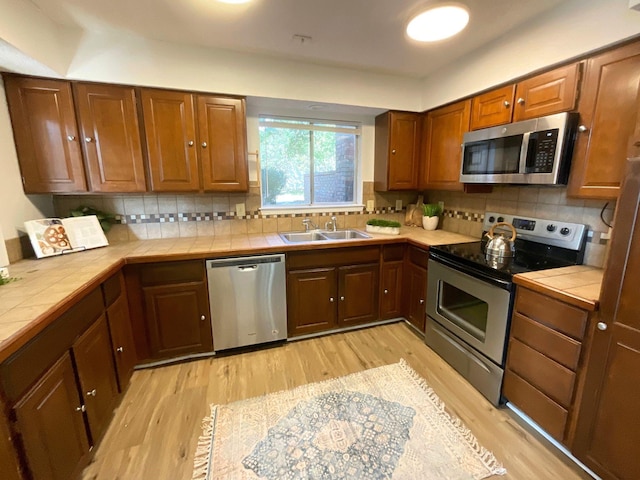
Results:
430 223
385 230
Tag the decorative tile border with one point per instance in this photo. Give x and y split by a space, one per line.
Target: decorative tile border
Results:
470 216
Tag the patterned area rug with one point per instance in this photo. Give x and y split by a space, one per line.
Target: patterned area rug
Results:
383 423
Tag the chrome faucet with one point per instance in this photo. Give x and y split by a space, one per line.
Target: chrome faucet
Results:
309 225
331 224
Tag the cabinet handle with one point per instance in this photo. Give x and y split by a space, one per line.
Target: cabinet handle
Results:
582 128
421 301
393 152
386 291
204 144
331 299
71 138
190 143
507 104
81 408
203 318
602 326
120 349
92 393
88 139
520 101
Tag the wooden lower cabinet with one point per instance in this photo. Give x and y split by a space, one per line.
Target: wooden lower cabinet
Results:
358 294
391 289
122 342
415 286
311 300
10 469
51 425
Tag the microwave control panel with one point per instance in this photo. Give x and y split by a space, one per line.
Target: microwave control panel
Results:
542 151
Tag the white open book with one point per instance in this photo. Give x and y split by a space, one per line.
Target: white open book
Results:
57 236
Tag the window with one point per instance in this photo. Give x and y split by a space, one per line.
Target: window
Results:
308 162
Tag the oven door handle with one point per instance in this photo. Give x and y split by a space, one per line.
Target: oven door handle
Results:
472 272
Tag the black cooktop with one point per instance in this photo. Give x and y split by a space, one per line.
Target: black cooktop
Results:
529 256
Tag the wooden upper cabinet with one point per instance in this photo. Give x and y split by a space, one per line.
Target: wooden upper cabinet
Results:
492 108
397 149
548 93
170 132
46 135
110 136
610 124
443 132
222 139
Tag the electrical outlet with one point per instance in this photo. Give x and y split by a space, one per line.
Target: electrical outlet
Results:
240 210
370 205
398 205
606 236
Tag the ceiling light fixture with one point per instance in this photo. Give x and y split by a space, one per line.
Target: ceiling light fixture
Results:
438 23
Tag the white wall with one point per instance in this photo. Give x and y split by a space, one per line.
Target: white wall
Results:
15 206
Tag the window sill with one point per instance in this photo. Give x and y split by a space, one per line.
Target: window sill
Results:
311 209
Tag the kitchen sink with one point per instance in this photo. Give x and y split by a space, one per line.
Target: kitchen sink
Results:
322 235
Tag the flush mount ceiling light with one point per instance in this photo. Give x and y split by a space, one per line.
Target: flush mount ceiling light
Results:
438 23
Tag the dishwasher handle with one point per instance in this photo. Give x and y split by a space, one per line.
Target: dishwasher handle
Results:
248 268
252 262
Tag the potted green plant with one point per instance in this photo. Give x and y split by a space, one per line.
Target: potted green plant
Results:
388 227
431 215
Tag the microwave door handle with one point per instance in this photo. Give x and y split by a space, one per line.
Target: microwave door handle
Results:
524 152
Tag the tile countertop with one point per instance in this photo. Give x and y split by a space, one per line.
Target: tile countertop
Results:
47 287
577 285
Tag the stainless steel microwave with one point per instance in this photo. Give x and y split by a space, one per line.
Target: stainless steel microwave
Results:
533 152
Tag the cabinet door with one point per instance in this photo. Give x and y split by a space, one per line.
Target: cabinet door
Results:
111 137
608 109
416 285
442 152
177 319
358 294
607 434
122 342
391 290
46 135
51 424
492 108
311 300
223 144
551 92
97 376
10 469
170 133
404 150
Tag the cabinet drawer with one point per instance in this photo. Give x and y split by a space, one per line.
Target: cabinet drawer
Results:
560 316
172 272
554 345
418 256
333 257
544 411
550 377
112 288
392 253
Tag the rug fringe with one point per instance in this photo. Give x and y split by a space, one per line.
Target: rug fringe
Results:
203 451
486 456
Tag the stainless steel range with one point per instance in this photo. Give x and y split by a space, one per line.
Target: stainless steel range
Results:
470 294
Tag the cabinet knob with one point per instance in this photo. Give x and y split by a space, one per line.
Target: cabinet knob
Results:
331 299
203 318
81 408
507 104
190 143
520 101
421 301
204 144
386 291
342 299
393 152
602 326
92 393
637 144
88 139
71 138
120 349
582 128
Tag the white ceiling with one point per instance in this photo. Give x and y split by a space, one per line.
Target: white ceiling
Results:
362 34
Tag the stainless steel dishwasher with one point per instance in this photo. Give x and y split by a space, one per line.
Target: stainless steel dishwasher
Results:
248 300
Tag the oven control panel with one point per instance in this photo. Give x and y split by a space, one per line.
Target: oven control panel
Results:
550 232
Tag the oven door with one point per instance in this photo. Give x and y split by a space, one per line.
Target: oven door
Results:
475 310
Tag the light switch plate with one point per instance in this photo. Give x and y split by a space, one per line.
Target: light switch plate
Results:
370 205
240 210
398 205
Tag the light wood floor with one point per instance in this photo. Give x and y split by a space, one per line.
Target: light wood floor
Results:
155 430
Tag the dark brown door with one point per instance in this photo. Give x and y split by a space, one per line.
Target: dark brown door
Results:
46 135
608 431
122 342
170 131
404 150
608 108
391 290
222 148
492 108
312 300
551 92
416 284
177 318
110 137
96 372
358 294
10 469
442 151
51 425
